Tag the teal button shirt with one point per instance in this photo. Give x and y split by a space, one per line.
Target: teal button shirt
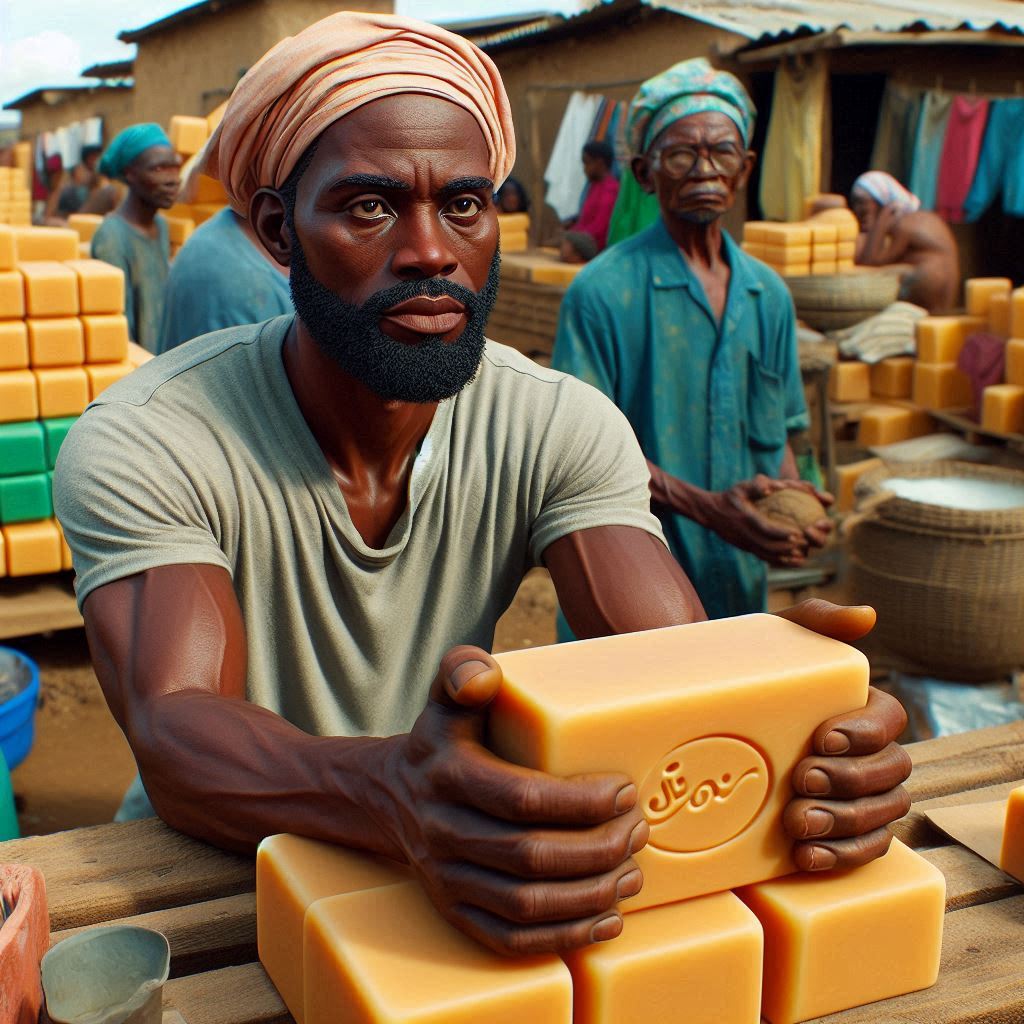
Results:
711 403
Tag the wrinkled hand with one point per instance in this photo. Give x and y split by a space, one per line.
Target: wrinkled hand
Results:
522 861
735 519
850 787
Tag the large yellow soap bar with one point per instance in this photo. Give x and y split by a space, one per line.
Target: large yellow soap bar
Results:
8 252
999 314
63 391
846 938
514 241
846 482
32 548
823 233
850 382
698 961
1015 361
106 338
978 292
515 222
102 375
939 339
1011 854
100 286
45 244
51 288
19 399
884 424
1002 409
786 234
709 720
12 295
754 231
846 250
787 255
292 873
385 954
13 345
85 225
756 249
941 386
187 134
56 342
893 378
1016 311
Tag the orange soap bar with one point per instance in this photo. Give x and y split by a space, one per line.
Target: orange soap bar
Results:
756 249
1011 854
846 481
850 382
884 424
514 241
19 398
386 954
787 235
292 873
63 391
709 720
845 265
893 378
1015 361
106 338
754 230
784 255
555 273
822 267
823 233
100 286
794 270
1016 310
32 548
978 292
941 386
12 295
999 311
846 938
13 345
45 243
940 338
102 375
56 342
85 225
51 288
1002 409
695 962
8 252
846 250
187 134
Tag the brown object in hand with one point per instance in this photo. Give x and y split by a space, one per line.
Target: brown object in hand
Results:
792 507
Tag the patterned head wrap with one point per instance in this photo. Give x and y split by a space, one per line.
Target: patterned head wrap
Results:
886 191
129 144
691 87
308 81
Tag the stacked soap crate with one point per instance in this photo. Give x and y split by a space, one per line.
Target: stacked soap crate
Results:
15 197
514 230
804 248
1002 407
63 339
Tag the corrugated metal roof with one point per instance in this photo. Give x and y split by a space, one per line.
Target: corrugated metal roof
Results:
757 19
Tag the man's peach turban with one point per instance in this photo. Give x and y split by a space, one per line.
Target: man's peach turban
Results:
309 81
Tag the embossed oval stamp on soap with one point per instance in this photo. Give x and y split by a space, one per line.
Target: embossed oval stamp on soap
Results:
704 793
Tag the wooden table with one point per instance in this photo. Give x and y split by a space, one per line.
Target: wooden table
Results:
203 900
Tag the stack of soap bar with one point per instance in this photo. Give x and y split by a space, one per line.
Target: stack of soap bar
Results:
846 482
713 725
18 397
100 286
32 549
1002 409
850 382
8 252
698 961
941 386
846 938
893 378
1011 854
15 196
885 424
789 248
13 345
56 342
940 338
513 229
51 289
34 244
12 295
187 134
1015 361
979 291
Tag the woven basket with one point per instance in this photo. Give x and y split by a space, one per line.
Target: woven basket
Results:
948 584
830 302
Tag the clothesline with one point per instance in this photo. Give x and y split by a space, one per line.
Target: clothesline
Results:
971 91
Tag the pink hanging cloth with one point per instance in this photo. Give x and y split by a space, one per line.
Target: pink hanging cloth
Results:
960 153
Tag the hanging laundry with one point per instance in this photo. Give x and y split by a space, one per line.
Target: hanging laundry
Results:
792 153
960 152
897 130
928 143
1001 165
564 175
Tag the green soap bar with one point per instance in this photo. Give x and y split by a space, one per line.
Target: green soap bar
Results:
56 430
21 448
25 498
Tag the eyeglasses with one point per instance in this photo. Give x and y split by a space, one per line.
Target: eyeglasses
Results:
678 161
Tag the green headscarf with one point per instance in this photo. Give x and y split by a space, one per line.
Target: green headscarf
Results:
129 144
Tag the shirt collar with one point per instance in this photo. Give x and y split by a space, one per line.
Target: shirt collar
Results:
670 270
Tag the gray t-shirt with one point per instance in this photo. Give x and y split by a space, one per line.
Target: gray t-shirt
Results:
203 455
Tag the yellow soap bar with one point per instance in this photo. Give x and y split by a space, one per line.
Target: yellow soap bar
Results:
179 229
850 382
85 224
100 286
845 266
514 241
12 295
756 249
187 134
517 222
102 375
979 291
823 233
884 424
822 267
939 338
45 244
698 961
893 378
999 314
32 548
786 235
1015 361
209 190
787 255
794 270
1011 854
51 288
56 342
13 345
19 399
63 391
555 273
754 231
1016 310
824 252
847 938
386 954
8 252
846 482
846 250
941 386
1002 409
106 338
292 873
709 720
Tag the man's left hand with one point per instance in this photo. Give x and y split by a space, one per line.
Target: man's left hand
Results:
850 787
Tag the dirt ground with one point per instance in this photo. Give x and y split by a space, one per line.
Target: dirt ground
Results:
80 764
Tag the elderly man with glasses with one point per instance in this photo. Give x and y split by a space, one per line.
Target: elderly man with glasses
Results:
696 342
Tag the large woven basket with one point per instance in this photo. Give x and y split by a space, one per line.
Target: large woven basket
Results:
830 302
948 584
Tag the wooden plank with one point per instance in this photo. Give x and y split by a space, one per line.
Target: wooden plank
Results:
234 995
915 830
981 980
37 604
970 879
946 747
120 870
203 936
996 759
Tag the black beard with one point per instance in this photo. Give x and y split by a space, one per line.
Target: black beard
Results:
429 371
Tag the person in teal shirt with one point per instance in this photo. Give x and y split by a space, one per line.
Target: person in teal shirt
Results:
695 341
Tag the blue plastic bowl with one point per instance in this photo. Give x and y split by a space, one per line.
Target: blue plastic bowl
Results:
19 695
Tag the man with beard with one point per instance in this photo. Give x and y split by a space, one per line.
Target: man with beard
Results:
293 539
696 343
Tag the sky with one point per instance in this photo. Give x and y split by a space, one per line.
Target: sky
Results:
48 42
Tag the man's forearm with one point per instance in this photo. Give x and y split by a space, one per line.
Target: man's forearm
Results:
679 496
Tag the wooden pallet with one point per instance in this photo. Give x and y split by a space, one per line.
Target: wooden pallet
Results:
37 604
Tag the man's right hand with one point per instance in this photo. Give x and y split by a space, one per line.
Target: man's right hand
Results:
522 861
